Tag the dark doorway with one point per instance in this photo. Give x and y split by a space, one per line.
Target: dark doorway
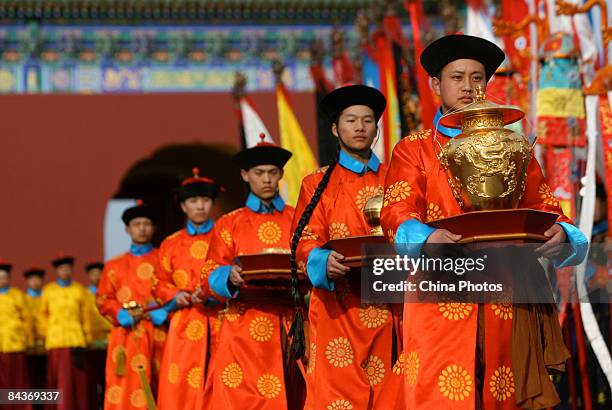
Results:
154 180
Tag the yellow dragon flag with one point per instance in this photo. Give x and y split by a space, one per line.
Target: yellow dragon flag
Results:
292 138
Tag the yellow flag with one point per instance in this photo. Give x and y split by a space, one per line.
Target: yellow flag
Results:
292 138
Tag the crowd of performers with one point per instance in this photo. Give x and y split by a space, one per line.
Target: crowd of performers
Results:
196 342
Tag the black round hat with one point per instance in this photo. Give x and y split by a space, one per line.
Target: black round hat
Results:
139 211
341 98
457 46
197 185
264 153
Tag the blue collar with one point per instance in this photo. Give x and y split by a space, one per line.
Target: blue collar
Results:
140 250
449 132
64 283
34 293
255 204
600 227
4 289
356 166
193 230
92 288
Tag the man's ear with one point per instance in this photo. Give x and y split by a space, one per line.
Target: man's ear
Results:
183 207
435 85
334 129
245 175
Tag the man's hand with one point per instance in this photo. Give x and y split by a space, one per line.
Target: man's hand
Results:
197 295
443 236
334 268
235 276
553 245
183 299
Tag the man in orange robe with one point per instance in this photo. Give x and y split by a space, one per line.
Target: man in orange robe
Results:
248 364
136 341
190 337
351 353
458 355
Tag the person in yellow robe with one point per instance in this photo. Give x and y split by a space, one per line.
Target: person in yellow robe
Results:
36 355
13 333
65 308
100 329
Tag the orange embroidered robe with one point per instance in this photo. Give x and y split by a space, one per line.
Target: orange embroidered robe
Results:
126 278
188 347
351 356
248 364
440 339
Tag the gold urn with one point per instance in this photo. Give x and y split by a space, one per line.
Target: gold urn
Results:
487 163
371 212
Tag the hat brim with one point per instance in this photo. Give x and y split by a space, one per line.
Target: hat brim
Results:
459 46
139 211
262 155
341 98
67 260
197 189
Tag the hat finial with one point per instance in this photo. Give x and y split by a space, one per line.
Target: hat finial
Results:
262 137
196 172
139 202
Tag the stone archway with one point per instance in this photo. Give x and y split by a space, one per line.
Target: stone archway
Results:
154 179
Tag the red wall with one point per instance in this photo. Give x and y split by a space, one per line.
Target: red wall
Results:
63 157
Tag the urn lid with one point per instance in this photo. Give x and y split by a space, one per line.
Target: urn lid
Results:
483 108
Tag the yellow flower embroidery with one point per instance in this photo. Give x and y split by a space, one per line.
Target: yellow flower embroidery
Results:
433 212
374 369
209 266
301 266
117 351
269 386
311 359
269 233
194 377
198 249
195 330
138 361
226 236
112 275
502 383
113 394
455 311
145 271
391 236
139 331
373 316
338 230
173 373
339 352
159 335
166 263
366 193
180 279
419 135
234 311
503 310
232 375
261 329
455 383
400 365
547 196
124 294
308 234
340 404
412 368
137 398
398 191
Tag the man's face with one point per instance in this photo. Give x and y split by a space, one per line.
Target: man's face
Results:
94 276
457 83
197 208
34 282
64 271
140 230
263 180
356 128
5 278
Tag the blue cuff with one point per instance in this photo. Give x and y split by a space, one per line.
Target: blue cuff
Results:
124 318
218 281
170 306
317 269
579 244
410 237
158 316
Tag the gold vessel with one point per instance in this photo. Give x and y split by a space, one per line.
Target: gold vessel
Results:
371 212
487 163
